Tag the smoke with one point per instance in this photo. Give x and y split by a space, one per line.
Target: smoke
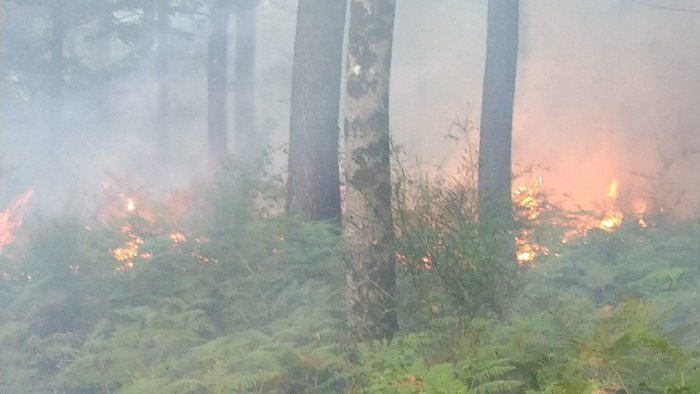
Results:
109 114
606 89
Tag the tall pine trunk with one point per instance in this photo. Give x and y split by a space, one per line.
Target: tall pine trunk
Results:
370 280
497 116
246 140
217 117
313 187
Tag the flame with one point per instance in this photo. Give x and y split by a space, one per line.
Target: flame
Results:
130 205
611 221
528 203
612 190
613 218
177 237
529 207
526 254
11 218
129 251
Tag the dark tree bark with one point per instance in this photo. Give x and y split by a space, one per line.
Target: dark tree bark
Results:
313 187
217 116
367 224
497 114
56 75
247 146
162 74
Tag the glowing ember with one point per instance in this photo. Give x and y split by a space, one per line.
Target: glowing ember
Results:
427 262
129 251
177 237
11 218
528 203
526 255
611 221
130 205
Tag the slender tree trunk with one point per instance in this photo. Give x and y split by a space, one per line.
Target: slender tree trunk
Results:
217 117
162 74
313 187
247 144
367 224
497 115
56 77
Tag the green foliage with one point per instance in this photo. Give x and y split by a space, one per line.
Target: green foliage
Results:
411 365
250 302
449 264
255 307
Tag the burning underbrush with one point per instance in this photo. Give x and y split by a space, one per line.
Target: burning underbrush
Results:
544 225
142 291
441 245
202 292
201 289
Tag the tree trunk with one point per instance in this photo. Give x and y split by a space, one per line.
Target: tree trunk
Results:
162 73
497 115
247 146
56 76
313 187
217 117
370 280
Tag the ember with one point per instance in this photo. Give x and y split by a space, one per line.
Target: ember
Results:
129 251
528 204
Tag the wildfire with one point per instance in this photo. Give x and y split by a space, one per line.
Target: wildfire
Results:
526 200
612 190
528 203
130 205
612 219
177 237
11 218
129 251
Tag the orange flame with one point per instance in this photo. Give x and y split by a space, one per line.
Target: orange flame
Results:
612 190
129 251
528 202
611 221
11 218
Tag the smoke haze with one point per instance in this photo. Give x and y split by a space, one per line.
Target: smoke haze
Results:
606 89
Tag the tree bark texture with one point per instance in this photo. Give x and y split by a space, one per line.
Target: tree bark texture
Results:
313 187
217 116
497 113
247 146
367 223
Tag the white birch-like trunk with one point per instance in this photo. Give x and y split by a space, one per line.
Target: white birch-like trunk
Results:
367 224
